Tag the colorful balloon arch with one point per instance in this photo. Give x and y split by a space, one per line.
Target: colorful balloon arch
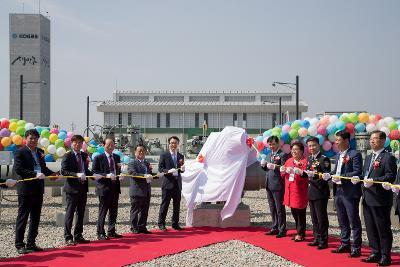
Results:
55 142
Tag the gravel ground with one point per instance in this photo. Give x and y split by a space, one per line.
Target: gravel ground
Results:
255 199
230 253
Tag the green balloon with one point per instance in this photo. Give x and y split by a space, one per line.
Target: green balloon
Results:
21 123
393 125
277 129
296 125
20 131
13 120
344 118
394 145
353 118
293 133
91 149
59 143
45 133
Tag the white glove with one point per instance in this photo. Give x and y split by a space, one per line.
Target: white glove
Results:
335 179
10 182
326 176
175 173
271 166
182 168
149 178
40 175
263 162
111 176
97 176
81 176
121 178
395 189
172 170
368 182
387 186
298 171
289 170
282 169
124 168
310 173
161 175
355 181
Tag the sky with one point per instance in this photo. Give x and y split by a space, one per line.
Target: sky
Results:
346 52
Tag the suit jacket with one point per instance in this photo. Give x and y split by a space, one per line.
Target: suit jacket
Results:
397 197
352 168
274 180
69 167
24 167
138 186
104 186
3 185
385 171
166 163
318 188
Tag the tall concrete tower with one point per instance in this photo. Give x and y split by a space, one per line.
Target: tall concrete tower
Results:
30 68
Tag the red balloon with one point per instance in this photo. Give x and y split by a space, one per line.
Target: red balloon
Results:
394 134
260 146
1 147
378 117
4 124
350 128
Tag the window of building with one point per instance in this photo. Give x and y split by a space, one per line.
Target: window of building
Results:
167 120
274 119
119 118
158 120
206 117
204 98
196 120
129 118
240 98
164 98
235 120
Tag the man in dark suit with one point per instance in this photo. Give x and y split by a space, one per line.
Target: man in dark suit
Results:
348 195
29 163
395 190
318 193
140 191
275 187
106 168
75 163
172 164
7 183
380 166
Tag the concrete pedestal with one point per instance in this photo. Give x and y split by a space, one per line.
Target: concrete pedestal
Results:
210 215
60 218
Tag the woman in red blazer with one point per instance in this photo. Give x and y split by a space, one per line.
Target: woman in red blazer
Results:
296 188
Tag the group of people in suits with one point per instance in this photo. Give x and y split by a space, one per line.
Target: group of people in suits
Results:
106 171
298 181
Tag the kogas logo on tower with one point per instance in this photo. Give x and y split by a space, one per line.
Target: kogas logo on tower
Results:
24 35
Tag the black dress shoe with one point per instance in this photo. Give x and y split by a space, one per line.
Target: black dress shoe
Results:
70 242
355 253
272 232
385 261
315 243
280 235
322 246
22 250
115 235
342 249
81 240
102 237
33 248
145 231
372 258
135 231
162 228
177 227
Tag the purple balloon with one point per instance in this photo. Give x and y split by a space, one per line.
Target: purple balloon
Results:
5 132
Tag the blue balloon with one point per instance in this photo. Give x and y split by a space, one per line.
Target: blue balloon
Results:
266 151
100 149
331 129
320 138
12 148
259 138
126 159
267 133
305 124
329 153
360 127
93 143
387 142
95 154
49 158
285 136
62 135
340 125
39 129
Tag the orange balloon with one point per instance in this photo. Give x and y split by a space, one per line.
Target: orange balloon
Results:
17 139
6 141
87 139
363 117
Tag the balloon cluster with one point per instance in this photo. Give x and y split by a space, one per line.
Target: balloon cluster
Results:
325 128
54 142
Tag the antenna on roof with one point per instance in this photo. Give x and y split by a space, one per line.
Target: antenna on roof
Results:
39 6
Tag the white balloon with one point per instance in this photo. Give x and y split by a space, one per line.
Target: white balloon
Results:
333 119
51 149
312 130
12 134
371 127
332 137
29 126
388 120
59 160
314 122
60 152
381 123
386 130
44 142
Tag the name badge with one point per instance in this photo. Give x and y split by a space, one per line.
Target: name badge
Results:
291 177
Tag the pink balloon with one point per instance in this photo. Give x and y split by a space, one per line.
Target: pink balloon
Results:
265 142
84 146
286 148
335 148
70 134
67 142
324 121
327 145
306 152
321 130
302 132
286 128
54 131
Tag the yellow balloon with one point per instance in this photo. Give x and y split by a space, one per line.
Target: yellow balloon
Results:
53 138
45 150
17 139
6 141
363 117
87 139
13 126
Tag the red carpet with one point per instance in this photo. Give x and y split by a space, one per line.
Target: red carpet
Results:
138 248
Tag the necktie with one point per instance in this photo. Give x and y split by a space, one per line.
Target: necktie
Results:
174 158
371 164
112 164
78 155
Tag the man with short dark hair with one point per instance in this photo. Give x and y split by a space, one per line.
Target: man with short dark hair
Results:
380 166
318 192
140 191
75 163
171 164
275 186
348 194
29 163
106 168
